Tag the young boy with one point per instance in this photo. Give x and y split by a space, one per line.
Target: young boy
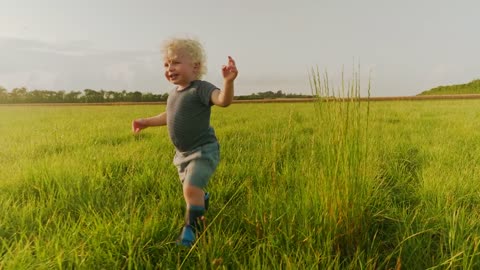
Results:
187 117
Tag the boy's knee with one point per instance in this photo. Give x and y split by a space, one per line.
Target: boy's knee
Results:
190 190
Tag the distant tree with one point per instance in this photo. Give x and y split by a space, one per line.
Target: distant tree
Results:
92 96
134 97
109 96
103 94
117 96
124 95
73 96
3 95
148 97
36 96
19 94
53 97
60 96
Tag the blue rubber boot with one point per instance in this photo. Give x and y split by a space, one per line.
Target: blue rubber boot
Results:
193 224
187 237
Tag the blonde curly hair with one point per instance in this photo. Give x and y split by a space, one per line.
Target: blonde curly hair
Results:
171 48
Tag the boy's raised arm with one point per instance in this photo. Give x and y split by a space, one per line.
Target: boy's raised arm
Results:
143 123
225 97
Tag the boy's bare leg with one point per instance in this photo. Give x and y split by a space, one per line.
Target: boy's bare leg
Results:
193 195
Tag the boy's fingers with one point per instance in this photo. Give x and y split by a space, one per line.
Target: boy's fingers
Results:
135 127
231 61
231 68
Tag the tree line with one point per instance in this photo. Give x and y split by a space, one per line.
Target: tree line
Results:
271 95
23 95
472 87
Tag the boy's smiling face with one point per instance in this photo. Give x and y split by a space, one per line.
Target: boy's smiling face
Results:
180 69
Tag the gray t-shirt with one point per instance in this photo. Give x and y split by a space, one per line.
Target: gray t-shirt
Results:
188 116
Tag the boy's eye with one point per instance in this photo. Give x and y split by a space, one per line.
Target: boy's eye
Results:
171 63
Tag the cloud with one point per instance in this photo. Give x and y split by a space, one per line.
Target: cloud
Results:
76 66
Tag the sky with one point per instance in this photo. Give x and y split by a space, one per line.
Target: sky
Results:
401 47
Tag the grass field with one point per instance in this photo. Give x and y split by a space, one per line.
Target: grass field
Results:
351 185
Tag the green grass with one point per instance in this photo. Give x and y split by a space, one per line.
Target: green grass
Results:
300 186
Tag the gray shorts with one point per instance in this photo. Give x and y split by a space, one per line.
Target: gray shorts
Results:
196 167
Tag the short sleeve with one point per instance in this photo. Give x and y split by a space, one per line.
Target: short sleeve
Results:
204 91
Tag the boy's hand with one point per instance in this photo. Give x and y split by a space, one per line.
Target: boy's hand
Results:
137 125
230 71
